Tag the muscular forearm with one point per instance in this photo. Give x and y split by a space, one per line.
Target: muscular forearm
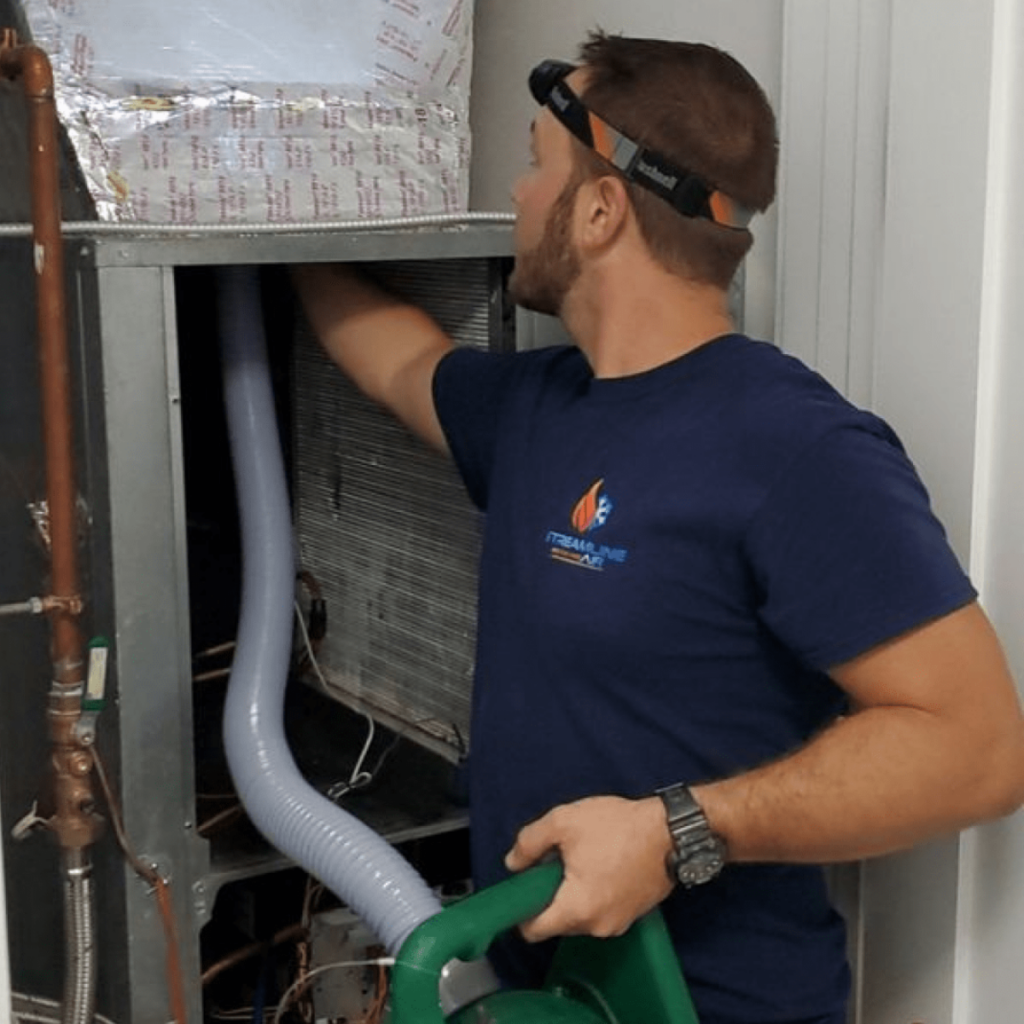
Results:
879 781
947 754
387 346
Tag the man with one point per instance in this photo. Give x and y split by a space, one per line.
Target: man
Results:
720 629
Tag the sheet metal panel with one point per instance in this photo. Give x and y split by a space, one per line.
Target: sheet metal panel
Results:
490 238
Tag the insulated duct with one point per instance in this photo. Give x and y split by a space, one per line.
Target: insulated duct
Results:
353 861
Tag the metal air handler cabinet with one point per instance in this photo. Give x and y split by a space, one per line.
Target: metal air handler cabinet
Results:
382 529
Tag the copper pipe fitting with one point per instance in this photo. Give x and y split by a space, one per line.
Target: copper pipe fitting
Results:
74 823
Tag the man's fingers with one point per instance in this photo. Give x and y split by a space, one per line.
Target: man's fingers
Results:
569 914
613 852
544 926
533 843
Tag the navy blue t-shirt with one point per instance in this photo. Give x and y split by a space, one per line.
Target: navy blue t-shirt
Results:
671 562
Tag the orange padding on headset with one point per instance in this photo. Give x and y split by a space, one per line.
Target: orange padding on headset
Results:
727 211
603 144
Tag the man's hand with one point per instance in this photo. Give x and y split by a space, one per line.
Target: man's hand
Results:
614 853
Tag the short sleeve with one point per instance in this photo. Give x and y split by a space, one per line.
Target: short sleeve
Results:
469 388
846 552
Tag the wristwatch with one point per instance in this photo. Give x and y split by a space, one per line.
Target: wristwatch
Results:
698 854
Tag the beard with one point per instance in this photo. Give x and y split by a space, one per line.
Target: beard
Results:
542 277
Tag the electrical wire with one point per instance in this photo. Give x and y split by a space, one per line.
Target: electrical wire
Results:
304 1004
357 778
214 673
380 1000
212 652
240 1013
297 986
310 654
317 615
175 982
220 818
314 890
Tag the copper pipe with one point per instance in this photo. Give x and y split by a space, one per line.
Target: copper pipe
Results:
150 874
292 933
74 822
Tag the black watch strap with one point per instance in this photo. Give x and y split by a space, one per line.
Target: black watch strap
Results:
698 854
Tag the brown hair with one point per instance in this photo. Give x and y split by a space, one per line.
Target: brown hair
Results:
700 108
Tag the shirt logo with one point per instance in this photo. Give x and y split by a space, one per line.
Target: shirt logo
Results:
591 512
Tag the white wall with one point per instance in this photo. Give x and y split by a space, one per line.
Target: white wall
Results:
511 36
992 871
901 248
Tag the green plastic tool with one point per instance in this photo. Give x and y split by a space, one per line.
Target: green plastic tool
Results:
633 979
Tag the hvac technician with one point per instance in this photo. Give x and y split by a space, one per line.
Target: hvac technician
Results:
720 628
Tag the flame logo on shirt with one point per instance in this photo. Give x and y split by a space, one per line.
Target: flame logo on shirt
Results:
576 548
592 510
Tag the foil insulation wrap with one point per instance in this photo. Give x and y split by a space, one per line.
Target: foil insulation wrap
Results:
261 111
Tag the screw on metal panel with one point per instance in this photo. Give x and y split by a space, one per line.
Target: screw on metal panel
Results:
199 898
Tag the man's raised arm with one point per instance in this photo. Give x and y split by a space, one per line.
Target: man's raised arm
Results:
390 348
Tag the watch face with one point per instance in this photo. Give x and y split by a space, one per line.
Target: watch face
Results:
699 854
700 866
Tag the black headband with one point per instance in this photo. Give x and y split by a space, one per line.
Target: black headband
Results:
683 190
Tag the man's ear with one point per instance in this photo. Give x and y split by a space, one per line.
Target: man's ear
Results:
603 211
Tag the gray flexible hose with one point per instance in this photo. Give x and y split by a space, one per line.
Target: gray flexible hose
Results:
352 860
